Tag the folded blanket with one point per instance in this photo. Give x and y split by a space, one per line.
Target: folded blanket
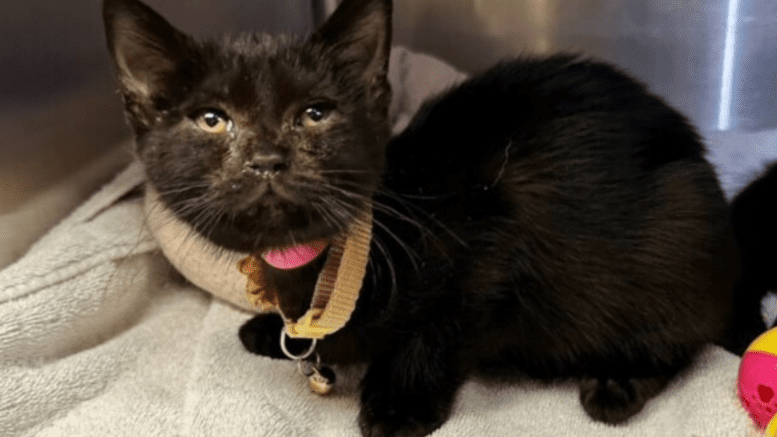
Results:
99 336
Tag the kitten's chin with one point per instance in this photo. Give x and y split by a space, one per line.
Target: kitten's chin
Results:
274 226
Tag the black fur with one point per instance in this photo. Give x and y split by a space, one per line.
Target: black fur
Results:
754 217
548 218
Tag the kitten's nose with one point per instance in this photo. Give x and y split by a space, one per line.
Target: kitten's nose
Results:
267 164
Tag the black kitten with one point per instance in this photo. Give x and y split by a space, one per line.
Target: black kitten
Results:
754 218
548 218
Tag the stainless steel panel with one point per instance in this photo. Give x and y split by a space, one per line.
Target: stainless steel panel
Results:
716 60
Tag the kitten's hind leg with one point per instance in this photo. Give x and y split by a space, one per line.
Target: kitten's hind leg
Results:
614 401
262 336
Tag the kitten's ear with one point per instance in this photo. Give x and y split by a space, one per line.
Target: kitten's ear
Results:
149 53
359 35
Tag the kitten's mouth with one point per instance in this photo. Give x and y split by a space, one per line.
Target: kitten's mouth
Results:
294 256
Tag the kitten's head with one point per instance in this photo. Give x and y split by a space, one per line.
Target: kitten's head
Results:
258 141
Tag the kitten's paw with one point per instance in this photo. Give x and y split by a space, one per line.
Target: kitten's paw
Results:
615 401
410 418
262 334
384 414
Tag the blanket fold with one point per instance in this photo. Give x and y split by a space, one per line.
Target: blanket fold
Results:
99 336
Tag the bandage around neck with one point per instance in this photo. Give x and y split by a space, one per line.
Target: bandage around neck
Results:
237 276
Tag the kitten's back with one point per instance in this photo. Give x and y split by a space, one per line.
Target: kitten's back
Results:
584 200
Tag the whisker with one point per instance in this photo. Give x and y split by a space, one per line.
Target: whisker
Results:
321 210
412 255
424 230
426 214
192 203
344 171
338 211
389 263
345 212
392 211
212 222
291 237
175 189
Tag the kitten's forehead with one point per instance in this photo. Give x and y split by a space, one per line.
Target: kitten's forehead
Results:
249 71
258 49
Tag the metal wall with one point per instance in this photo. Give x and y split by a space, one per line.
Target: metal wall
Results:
716 60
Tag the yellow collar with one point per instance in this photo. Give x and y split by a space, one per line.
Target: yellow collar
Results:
337 288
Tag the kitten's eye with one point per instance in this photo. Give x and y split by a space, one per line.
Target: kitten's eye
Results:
213 122
313 116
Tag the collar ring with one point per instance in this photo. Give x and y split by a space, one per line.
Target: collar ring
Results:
300 357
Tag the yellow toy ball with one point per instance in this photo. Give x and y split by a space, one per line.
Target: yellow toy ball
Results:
757 383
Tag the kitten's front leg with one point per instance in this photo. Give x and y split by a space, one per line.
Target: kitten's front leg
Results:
410 392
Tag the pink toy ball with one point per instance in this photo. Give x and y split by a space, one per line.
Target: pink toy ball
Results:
757 384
